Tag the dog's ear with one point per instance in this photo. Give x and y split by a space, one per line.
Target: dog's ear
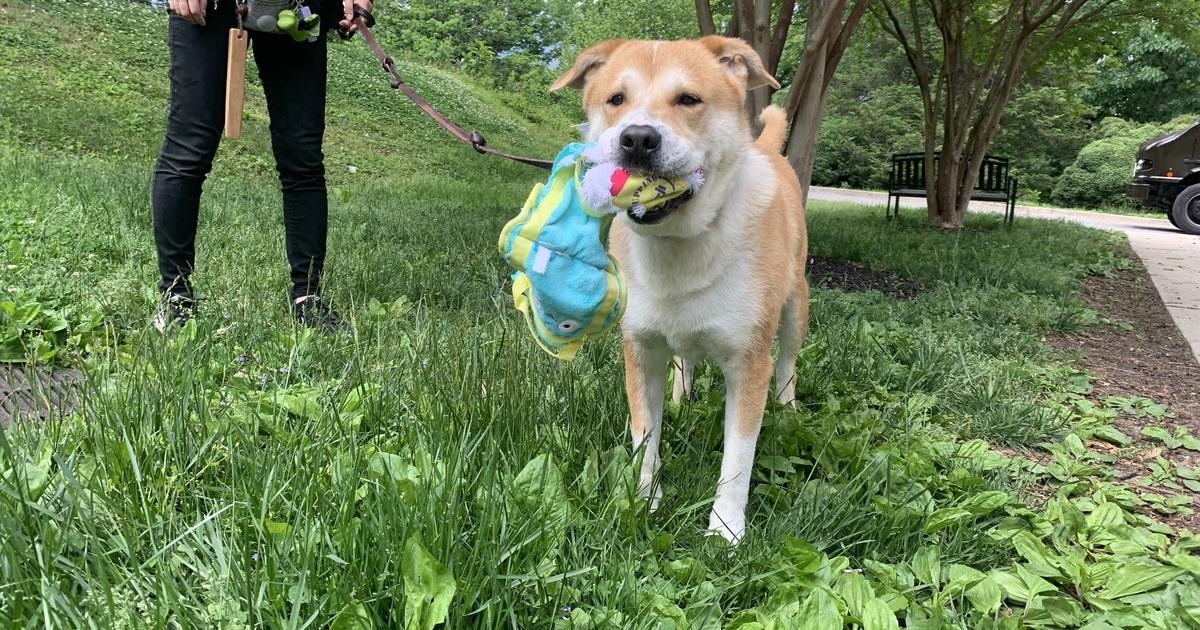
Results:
740 60
587 61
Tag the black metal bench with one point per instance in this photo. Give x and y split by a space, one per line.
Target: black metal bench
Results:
994 184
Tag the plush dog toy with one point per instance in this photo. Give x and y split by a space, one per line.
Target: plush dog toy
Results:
607 187
566 284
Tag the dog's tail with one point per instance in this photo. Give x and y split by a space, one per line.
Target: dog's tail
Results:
775 129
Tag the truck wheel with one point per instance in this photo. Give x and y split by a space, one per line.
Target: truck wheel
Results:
1185 214
1171 218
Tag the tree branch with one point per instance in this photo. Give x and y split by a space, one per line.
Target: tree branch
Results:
705 17
838 46
783 24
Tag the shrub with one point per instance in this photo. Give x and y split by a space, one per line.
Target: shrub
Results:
1103 169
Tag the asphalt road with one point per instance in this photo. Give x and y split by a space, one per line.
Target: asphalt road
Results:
1163 249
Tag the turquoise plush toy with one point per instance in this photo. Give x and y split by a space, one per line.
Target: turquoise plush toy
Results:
566 284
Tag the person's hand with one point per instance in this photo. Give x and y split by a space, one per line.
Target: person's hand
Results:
349 24
190 10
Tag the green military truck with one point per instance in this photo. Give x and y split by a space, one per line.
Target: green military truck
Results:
1166 177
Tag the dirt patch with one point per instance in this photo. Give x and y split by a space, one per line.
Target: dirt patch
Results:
1151 359
831 273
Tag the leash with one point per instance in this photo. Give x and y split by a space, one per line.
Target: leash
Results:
365 21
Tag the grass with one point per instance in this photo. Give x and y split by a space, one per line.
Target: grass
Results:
243 473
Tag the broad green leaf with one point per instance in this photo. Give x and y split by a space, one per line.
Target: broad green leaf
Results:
1013 586
894 601
428 587
538 488
276 528
391 469
985 502
927 565
802 557
1186 561
972 449
1161 435
1057 612
1134 578
353 617
1112 435
1034 583
960 576
668 614
819 612
985 595
776 463
1073 519
877 615
35 472
856 592
1036 554
1105 515
944 518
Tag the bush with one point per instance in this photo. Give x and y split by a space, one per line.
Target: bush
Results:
1042 131
1103 169
858 139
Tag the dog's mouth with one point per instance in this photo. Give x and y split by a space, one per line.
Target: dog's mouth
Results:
659 213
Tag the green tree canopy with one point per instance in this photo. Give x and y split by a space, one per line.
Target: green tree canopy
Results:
1154 78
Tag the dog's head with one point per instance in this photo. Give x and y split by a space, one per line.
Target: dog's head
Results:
667 108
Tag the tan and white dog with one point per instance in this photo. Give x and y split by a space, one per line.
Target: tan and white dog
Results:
720 276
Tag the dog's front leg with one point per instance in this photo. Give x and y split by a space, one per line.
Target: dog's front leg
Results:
645 383
746 383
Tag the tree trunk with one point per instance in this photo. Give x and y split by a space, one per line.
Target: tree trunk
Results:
806 103
967 92
825 39
827 33
755 21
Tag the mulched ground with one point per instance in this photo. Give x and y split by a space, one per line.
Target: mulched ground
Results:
831 273
1151 360
36 392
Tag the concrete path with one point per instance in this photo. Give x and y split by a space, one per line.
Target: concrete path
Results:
1167 253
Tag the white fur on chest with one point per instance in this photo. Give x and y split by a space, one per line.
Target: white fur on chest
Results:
698 295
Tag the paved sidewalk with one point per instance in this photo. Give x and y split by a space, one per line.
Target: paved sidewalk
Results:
1164 250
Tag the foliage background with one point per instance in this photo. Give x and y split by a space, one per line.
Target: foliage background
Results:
1141 73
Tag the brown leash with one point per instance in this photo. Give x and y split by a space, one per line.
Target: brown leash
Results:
365 20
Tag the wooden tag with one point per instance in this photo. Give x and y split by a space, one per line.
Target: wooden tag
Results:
235 83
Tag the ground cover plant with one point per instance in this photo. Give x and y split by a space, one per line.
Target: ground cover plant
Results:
943 467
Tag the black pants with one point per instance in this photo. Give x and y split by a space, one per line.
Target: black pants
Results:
293 78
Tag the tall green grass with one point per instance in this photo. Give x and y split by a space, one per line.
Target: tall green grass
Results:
244 473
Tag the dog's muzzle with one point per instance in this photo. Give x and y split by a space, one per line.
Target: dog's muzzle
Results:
640 146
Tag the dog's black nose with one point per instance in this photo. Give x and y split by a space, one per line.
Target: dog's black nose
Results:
639 142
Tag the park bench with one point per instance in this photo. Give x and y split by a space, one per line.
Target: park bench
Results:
994 184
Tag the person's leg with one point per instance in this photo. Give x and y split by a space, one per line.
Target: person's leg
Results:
194 122
293 78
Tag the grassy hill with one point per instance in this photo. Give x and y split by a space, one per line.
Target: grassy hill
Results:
939 471
89 77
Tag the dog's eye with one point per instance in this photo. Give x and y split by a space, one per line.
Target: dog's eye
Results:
617 98
688 100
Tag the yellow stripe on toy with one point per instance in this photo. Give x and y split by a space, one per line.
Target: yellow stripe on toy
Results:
566 285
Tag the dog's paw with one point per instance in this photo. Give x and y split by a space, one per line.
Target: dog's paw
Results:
731 529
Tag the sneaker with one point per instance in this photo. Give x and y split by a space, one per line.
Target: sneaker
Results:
174 311
313 312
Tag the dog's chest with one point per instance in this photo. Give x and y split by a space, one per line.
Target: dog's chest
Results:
702 306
